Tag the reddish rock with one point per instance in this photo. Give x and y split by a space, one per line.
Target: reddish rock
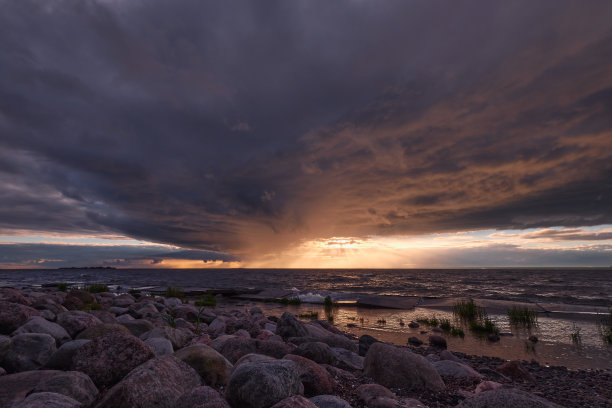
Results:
15 387
208 363
156 383
201 397
316 351
75 321
178 337
109 358
73 384
316 379
297 401
78 298
100 330
13 315
13 296
516 371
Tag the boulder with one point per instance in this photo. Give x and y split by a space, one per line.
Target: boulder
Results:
365 342
316 379
339 373
318 333
109 358
273 348
5 345
124 300
137 327
508 398
447 355
160 346
178 337
201 397
13 296
48 315
156 383
104 316
233 348
516 371
48 400
217 326
415 341
262 384
207 362
400 368
454 369
297 401
487 386
62 358
346 359
73 384
251 358
77 298
172 302
75 321
29 351
368 392
329 401
13 315
290 326
15 387
100 330
437 341
316 351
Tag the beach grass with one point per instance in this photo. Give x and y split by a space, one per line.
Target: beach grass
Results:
605 327
432 321
96 288
170 319
207 300
62 287
469 311
455 331
523 316
445 325
174 292
575 334
484 326
309 315
381 321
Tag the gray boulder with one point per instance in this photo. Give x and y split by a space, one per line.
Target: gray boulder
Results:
454 369
75 321
29 351
365 342
369 392
15 387
73 384
37 324
400 368
156 383
160 346
263 384
289 326
48 400
13 315
62 358
178 337
137 327
201 397
207 362
251 358
316 351
297 401
109 358
329 401
100 330
508 398
346 359
5 345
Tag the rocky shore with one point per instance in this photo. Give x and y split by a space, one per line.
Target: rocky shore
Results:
103 350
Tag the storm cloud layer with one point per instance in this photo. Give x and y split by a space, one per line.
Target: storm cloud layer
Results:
248 127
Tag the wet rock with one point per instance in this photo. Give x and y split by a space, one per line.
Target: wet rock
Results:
516 371
157 383
346 359
493 337
415 341
316 351
178 337
29 351
289 326
533 339
365 342
396 367
454 369
100 330
201 397
109 358
508 398
316 379
13 315
48 400
207 362
137 327
75 321
160 346
73 384
297 401
263 384
329 401
437 341
414 325
62 358
368 392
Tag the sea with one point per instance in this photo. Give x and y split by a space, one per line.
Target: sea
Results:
573 340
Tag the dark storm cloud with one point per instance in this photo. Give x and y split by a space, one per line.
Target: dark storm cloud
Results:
245 127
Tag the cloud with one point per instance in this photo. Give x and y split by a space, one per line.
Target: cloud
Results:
249 128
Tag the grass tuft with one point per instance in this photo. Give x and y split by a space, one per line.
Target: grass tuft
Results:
174 292
63 287
457 332
469 311
207 300
523 316
575 334
96 288
445 324
309 315
381 321
605 328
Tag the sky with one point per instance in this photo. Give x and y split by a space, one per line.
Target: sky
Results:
357 133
